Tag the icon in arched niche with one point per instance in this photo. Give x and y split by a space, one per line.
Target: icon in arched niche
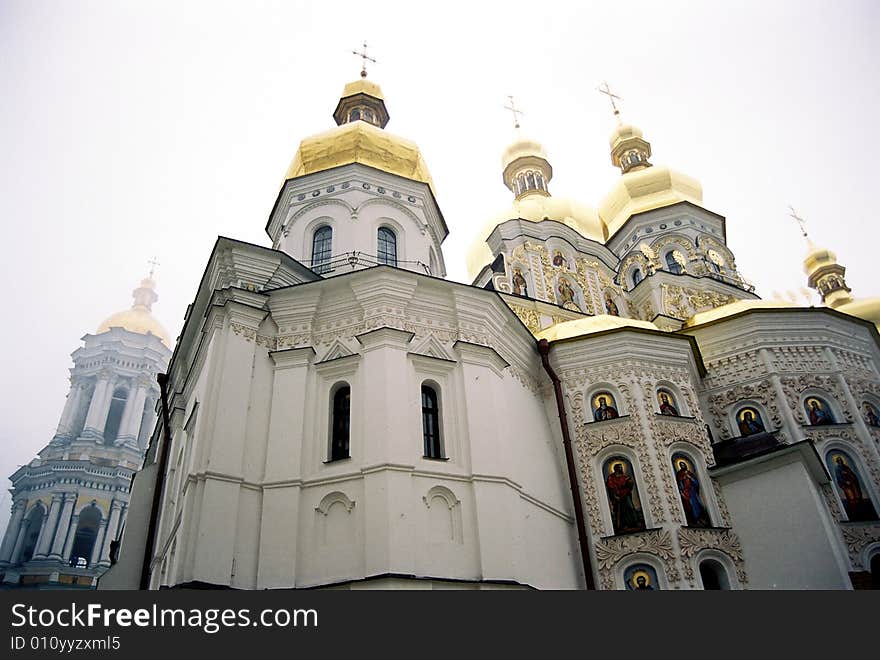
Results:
688 483
856 501
559 260
667 403
565 295
641 577
611 306
604 407
520 286
818 411
749 421
872 417
623 496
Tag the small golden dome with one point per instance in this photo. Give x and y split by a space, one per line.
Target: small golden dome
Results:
591 325
359 142
624 132
817 257
644 190
522 147
536 208
139 319
363 86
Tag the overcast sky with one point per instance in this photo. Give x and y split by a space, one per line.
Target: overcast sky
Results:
134 129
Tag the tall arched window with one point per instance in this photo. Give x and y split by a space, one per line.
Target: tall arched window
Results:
431 422
85 536
322 247
714 576
34 523
340 424
387 251
672 264
114 416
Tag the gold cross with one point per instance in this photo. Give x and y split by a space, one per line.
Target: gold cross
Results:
364 56
153 263
604 89
799 220
515 112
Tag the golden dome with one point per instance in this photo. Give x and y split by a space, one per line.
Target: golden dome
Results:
363 86
536 208
591 325
734 308
817 257
863 308
624 132
359 142
522 147
644 190
138 319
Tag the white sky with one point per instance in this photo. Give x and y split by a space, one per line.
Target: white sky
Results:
133 129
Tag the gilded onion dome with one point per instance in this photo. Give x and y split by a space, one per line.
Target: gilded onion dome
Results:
826 275
139 318
642 187
359 137
526 171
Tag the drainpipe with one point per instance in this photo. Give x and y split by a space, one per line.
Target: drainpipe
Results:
544 350
158 486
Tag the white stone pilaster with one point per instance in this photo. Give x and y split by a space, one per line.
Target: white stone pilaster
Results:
63 526
134 411
48 530
99 542
70 407
71 535
12 531
112 528
97 414
19 542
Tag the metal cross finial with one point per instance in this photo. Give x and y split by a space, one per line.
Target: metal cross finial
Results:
605 89
512 108
153 263
799 220
364 56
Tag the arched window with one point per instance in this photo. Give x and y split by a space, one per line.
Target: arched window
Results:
114 416
322 246
637 276
34 523
689 489
340 424
85 537
387 247
714 576
672 264
851 487
530 177
818 411
431 422
623 495
540 181
354 115
368 115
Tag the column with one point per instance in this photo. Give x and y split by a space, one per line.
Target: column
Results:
19 542
71 535
97 410
112 528
48 531
43 532
795 433
70 408
99 542
63 526
12 531
134 410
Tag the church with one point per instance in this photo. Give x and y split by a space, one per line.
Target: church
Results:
607 405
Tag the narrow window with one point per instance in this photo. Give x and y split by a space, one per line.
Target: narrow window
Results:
672 264
322 243
431 422
355 115
114 416
85 537
340 423
636 276
714 576
387 247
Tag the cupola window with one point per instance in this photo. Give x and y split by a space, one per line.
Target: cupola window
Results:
322 245
387 250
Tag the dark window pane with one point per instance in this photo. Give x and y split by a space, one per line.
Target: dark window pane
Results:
387 252
431 423
341 424
322 246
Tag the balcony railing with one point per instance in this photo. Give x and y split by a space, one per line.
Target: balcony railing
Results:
349 261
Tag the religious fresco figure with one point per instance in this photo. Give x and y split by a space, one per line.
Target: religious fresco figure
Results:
640 577
750 422
856 503
602 409
818 412
520 286
626 509
666 406
871 416
566 293
558 260
689 489
610 307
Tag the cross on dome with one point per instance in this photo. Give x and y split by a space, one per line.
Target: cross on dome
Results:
513 109
363 55
605 89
